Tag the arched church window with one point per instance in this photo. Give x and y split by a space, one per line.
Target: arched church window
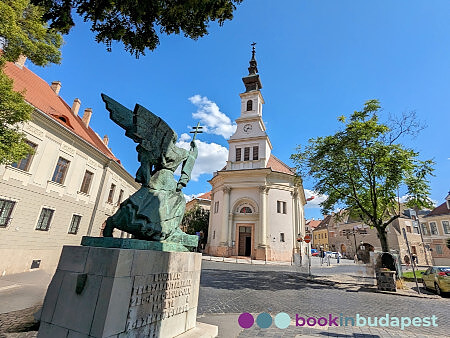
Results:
249 105
246 210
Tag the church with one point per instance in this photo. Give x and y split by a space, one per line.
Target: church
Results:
256 202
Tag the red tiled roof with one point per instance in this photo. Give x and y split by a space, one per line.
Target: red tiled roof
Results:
277 165
40 95
312 223
205 196
439 210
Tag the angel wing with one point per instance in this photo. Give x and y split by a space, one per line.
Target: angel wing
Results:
142 126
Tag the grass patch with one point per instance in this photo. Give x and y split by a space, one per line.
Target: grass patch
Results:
409 274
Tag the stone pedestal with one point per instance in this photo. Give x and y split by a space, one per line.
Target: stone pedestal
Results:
386 280
115 292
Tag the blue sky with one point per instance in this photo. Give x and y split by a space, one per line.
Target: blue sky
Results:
317 60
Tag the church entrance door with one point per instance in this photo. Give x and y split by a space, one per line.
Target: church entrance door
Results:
245 241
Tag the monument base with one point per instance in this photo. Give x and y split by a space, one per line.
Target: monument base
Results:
113 292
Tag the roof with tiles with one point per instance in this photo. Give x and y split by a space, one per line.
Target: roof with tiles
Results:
39 94
439 210
277 165
313 223
205 196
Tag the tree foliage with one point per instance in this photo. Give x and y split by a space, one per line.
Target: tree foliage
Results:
196 220
136 23
362 166
22 32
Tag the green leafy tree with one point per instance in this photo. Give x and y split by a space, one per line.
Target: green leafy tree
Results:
196 220
136 22
22 32
362 166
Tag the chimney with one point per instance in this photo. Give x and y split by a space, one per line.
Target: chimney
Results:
56 86
105 140
21 61
87 116
76 106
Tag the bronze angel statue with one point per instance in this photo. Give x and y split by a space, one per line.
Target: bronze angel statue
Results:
156 210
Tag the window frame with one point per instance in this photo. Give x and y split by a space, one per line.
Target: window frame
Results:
238 154
8 218
446 228
436 232
83 183
39 223
112 190
71 231
255 158
58 170
249 105
246 153
28 158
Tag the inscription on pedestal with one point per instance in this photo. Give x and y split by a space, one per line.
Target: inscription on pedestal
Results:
158 296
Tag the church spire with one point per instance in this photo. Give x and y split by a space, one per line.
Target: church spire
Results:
252 81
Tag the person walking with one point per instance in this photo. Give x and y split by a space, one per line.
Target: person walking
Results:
338 257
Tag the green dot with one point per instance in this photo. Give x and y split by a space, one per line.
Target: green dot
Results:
282 320
264 320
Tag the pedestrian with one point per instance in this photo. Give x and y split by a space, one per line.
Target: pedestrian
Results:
321 255
338 257
355 258
407 261
328 259
414 260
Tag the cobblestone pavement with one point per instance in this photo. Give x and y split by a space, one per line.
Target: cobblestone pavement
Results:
19 323
236 288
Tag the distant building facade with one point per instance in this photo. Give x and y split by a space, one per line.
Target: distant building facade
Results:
203 201
436 230
350 236
66 190
256 203
320 234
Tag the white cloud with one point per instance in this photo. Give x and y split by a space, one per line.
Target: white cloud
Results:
211 156
314 203
211 118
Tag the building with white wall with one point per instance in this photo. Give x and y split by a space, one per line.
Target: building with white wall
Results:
256 203
66 190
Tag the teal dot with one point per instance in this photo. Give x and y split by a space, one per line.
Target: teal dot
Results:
264 320
282 320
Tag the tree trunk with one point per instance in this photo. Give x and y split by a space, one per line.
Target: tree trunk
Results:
383 239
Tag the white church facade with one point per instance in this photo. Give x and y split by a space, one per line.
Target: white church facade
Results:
256 203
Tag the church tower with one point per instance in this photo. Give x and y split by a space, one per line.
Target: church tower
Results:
256 202
249 146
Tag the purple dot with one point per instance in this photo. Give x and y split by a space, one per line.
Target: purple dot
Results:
246 320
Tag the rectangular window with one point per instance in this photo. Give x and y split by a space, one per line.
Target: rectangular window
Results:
24 164
439 249
44 219
61 170
416 227
238 154
6 208
75 224
281 207
446 227
281 236
246 153
216 207
433 228
425 230
120 197
86 184
111 193
255 152
408 228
